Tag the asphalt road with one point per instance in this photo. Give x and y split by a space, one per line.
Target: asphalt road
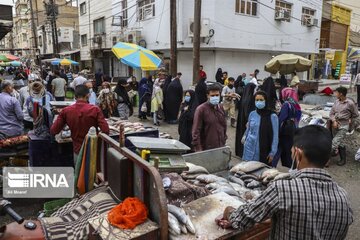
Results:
347 177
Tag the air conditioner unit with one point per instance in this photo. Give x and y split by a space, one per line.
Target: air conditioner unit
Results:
310 22
133 37
282 15
204 28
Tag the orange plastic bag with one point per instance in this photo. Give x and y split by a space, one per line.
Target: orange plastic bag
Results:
128 214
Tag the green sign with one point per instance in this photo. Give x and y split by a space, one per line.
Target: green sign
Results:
337 70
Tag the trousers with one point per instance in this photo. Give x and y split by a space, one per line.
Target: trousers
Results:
338 137
229 107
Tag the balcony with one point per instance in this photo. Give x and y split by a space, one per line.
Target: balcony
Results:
98 42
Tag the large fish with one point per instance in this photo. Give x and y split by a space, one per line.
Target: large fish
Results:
210 178
216 185
236 180
239 188
247 166
174 225
282 176
227 189
196 169
269 175
180 214
254 184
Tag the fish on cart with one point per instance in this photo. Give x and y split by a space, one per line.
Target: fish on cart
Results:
254 184
210 178
225 187
248 166
182 217
166 183
236 180
282 176
269 175
174 225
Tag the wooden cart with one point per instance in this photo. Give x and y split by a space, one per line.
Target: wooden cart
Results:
129 176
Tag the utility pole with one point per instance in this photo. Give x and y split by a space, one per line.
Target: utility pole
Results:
52 12
35 42
196 40
173 38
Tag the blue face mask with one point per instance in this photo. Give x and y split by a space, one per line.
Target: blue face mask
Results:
187 98
215 100
260 104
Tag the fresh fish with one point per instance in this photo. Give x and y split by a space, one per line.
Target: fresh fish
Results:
183 229
247 166
269 175
191 176
236 180
259 172
254 184
248 176
181 216
174 224
282 176
190 226
210 178
239 173
166 183
216 185
196 169
179 213
238 188
196 182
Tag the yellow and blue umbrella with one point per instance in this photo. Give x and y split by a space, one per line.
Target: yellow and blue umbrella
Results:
64 62
136 56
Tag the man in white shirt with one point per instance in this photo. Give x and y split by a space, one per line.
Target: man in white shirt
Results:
79 80
229 96
58 87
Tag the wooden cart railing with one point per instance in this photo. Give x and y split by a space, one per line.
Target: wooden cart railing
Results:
131 176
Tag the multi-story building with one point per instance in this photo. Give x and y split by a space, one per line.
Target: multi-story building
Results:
6 25
236 35
22 29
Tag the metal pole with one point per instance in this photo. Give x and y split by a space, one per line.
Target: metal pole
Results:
173 38
196 40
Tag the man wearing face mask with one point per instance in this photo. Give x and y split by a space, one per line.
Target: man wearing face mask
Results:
209 127
80 117
92 97
229 96
307 205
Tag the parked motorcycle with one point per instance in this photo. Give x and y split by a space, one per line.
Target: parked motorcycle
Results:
20 229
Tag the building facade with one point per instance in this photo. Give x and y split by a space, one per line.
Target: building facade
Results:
236 35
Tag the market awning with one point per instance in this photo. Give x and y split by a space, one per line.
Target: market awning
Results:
353 53
69 52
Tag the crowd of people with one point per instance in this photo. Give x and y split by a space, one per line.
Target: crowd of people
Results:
266 119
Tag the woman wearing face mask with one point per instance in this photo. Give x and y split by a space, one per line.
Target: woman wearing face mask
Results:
262 133
108 101
186 118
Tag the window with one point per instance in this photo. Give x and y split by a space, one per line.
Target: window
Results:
114 40
246 7
84 40
124 19
285 8
82 8
146 9
99 26
307 14
40 41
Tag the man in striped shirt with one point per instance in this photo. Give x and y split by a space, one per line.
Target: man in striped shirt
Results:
309 205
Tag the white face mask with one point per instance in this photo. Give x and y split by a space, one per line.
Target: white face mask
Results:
106 90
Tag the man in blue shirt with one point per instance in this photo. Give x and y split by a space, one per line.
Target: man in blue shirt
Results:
11 115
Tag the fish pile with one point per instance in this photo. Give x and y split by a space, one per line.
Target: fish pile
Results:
193 172
179 221
246 180
114 125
